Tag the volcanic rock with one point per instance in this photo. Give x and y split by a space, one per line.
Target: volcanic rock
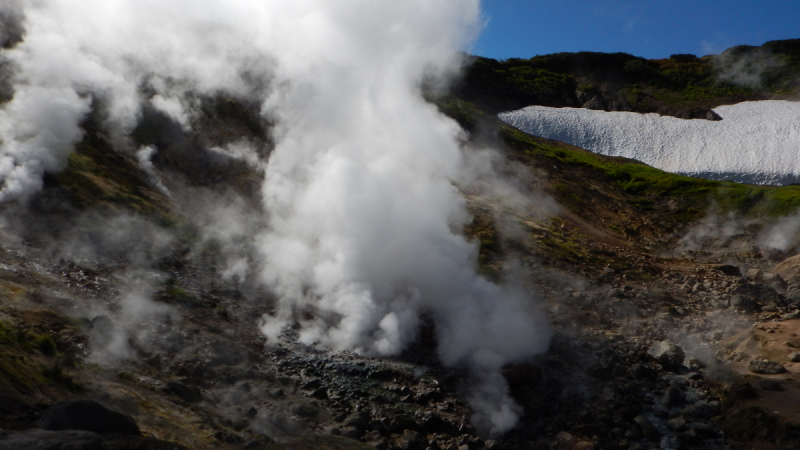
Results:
673 396
86 415
755 275
766 367
729 270
677 424
50 440
648 429
187 393
699 410
411 440
759 293
669 355
742 303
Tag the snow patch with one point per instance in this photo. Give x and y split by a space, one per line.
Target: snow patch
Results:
756 142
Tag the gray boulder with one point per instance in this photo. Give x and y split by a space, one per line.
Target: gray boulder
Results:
669 355
766 367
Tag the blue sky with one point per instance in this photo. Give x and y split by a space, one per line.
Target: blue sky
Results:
648 28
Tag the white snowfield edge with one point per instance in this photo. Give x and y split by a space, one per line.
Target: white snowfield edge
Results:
755 142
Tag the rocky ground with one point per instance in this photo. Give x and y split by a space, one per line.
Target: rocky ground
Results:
112 292
699 355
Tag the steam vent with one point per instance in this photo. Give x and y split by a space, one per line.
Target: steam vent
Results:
321 224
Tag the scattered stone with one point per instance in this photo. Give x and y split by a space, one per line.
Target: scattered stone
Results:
412 440
779 286
641 371
755 275
671 442
791 316
742 303
673 396
761 294
677 424
351 432
648 429
402 422
765 367
669 355
699 410
794 357
86 415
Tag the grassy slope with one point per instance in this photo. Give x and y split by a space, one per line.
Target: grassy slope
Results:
625 200
682 85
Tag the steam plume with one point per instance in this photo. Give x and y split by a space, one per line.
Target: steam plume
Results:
364 226
363 214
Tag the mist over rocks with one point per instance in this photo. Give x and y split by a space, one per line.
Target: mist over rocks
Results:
330 256
362 208
755 142
359 231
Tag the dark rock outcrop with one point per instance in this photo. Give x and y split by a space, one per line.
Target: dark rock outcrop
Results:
50 440
87 415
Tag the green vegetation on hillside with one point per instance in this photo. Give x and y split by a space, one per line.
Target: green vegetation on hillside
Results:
681 85
96 175
624 197
646 184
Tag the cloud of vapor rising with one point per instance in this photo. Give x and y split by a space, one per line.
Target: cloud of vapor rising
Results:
364 220
364 233
74 53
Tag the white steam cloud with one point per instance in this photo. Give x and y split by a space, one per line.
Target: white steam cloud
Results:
364 223
364 217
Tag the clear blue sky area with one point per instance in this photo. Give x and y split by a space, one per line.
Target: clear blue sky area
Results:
649 28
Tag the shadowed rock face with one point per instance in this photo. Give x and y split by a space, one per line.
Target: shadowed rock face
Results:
50 440
87 415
